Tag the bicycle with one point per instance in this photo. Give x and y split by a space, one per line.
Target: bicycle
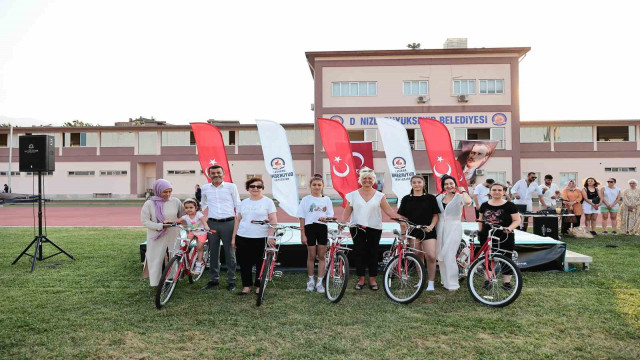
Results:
489 267
336 273
270 256
182 263
404 272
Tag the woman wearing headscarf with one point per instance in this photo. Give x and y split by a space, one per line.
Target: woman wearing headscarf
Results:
629 213
157 211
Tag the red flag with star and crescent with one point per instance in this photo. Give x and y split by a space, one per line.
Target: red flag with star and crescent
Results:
211 150
335 140
440 151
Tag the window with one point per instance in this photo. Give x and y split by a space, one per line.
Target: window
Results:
361 88
566 176
117 139
300 136
249 137
181 172
80 139
495 134
464 87
113 172
574 134
538 180
177 138
372 136
250 176
228 136
4 140
620 169
6 173
498 176
491 86
356 135
192 139
301 179
327 180
44 173
415 87
415 139
81 173
616 133
535 134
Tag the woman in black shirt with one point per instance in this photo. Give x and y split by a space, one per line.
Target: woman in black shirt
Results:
421 208
500 212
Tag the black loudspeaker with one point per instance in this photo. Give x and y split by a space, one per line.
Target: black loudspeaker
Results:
37 153
546 226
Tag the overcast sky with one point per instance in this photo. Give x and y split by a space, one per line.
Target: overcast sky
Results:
183 61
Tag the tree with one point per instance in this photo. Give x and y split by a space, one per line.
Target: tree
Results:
77 123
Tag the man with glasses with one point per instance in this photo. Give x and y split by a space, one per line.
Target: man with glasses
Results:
522 192
220 201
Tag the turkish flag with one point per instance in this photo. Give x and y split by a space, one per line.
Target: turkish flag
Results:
211 149
362 154
335 140
440 151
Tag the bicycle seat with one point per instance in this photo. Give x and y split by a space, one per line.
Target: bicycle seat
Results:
471 232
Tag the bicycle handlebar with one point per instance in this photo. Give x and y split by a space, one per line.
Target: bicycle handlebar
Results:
181 226
492 225
276 226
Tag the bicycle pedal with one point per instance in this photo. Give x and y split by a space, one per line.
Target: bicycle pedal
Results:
277 274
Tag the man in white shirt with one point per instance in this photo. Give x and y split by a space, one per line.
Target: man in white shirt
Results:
481 194
523 191
220 200
550 191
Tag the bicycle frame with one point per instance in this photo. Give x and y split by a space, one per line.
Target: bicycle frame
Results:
485 250
335 237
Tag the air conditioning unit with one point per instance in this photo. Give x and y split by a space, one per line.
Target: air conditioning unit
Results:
422 99
463 98
479 172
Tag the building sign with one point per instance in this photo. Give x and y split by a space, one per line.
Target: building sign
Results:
480 119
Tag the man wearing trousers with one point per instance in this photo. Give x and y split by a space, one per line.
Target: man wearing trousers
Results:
220 201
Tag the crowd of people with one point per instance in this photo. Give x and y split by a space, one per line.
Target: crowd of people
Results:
243 241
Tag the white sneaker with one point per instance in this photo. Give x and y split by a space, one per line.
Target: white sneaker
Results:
430 286
198 268
320 288
311 285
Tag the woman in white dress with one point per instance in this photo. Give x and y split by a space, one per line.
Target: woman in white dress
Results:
449 229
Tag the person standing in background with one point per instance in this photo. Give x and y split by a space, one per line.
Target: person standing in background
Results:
198 193
481 194
523 191
610 205
550 191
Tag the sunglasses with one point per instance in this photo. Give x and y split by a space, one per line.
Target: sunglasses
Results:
256 187
609 181
535 177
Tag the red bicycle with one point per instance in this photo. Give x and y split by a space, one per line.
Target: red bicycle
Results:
493 277
270 256
182 263
336 273
403 272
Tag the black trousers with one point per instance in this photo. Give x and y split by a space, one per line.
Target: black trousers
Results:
566 225
249 252
366 243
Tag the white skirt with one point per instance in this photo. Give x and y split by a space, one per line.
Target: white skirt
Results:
588 209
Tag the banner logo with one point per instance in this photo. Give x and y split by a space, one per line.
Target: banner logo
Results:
399 163
337 118
499 119
277 163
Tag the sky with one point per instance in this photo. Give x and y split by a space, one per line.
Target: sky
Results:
107 61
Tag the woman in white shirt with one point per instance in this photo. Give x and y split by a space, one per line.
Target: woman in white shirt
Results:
365 206
314 208
250 239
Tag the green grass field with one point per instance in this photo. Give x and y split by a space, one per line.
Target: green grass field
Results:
98 307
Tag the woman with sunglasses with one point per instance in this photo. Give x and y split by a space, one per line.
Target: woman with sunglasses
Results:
610 196
249 239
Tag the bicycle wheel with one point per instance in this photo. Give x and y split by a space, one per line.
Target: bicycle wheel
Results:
404 279
205 259
337 277
491 288
168 281
266 267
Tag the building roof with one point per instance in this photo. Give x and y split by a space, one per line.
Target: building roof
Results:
313 55
581 122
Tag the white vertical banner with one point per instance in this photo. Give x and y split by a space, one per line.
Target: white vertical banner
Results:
279 164
399 158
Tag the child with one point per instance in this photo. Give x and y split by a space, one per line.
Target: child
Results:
195 219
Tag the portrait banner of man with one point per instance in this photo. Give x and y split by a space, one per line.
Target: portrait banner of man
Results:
474 155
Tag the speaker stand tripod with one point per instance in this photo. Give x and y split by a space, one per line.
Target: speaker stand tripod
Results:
40 239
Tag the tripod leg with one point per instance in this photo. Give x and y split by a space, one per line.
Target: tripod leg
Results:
24 251
35 255
59 248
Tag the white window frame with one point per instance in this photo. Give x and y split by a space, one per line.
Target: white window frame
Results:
460 85
328 183
354 88
81 173
487 82
181 172
113 172
498 176
569 175
371 135
419 84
